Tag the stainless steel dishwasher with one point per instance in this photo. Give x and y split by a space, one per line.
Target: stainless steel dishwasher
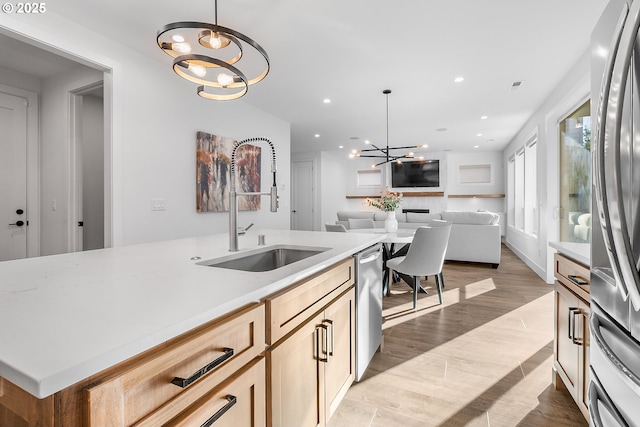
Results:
368 306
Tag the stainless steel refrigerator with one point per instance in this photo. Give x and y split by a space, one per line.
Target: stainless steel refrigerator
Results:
614 390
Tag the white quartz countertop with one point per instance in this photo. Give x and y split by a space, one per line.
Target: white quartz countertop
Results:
66 317
580 252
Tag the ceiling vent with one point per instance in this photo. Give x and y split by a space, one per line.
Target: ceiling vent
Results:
516 85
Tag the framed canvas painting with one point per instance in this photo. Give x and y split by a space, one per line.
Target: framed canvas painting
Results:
213 167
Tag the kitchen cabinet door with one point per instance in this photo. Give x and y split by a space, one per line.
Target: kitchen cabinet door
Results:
297 377
340 366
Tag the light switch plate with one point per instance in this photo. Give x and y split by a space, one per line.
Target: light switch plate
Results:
158 204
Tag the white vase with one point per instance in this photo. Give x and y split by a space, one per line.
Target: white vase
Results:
391 223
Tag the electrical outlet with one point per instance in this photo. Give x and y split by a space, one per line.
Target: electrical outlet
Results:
158 204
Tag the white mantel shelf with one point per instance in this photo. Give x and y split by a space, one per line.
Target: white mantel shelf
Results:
66 317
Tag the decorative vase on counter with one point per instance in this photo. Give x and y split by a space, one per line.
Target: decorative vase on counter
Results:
391 223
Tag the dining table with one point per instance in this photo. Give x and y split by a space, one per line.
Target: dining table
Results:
394 244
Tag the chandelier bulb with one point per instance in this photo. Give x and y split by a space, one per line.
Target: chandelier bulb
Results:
181 47
224 79
214 40
198 70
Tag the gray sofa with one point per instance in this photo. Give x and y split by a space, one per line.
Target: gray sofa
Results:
475 236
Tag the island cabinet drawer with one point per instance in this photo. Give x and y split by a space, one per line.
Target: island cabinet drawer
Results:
288 308
176 374
239 402
573 275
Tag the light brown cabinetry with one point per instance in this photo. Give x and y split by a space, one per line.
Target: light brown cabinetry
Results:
571 343
312 366
163 383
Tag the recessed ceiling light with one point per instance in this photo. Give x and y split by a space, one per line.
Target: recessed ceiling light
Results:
476 146
484 117
479 134
317 135
326 101
442 130
340 146
458 79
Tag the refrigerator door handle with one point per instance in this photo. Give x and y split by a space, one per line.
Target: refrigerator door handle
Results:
621 254
597 394
597 160
597 336
598 165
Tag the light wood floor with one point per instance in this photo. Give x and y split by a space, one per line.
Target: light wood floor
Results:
484 358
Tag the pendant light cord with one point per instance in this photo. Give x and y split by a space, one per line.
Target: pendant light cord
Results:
387 127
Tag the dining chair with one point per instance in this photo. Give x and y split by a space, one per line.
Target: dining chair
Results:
355 223
335 227
439 223
424 258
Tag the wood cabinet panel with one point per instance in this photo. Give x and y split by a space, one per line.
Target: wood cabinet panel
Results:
572 337
133 395
239 402
290 307
312 369
296 387
340 367
570 273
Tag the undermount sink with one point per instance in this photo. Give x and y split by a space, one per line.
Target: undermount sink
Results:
265 259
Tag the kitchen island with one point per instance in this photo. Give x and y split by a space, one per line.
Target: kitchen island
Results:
67 317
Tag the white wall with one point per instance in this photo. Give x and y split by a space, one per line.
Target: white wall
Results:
155 117
449 184
19 80
55 156
333 190
571 92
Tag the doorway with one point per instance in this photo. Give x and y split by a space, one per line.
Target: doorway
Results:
302 195
87 164
58 90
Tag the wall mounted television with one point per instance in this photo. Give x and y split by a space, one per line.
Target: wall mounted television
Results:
422 173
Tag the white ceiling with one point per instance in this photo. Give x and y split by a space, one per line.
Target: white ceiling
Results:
349 51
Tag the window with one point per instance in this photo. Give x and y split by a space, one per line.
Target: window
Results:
522 189
531 188
575 176
511 192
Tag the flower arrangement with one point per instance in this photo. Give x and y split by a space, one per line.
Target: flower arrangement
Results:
388 201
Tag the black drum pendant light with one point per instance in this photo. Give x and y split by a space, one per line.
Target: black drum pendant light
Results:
214 57
386 153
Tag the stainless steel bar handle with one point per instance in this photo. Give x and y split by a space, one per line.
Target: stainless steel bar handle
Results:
596 334
185 382
602 139
627 275
333 341
575 340
231 400
597 393
572 326
321 350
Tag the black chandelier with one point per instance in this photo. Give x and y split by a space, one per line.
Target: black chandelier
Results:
386 152
209 55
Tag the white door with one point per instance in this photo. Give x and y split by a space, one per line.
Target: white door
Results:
302 189
13 177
